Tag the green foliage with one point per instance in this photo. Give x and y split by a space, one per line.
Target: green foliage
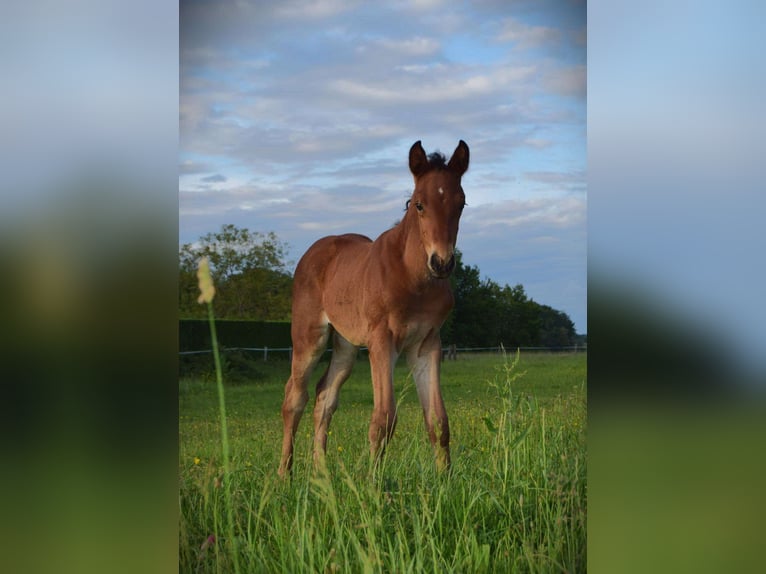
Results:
515 500
232 251
249 270
252 282
194 334
238 365
487 315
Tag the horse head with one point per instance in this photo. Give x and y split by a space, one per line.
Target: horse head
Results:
437 203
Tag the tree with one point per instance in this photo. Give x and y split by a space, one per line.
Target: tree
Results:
475 321
249 271
486 315
233 251
252 282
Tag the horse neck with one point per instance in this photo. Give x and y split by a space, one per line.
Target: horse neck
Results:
407 248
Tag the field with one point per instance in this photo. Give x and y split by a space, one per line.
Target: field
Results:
514 501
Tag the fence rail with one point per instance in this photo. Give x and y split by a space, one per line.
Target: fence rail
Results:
450 352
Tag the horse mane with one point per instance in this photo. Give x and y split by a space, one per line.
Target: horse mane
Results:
436 160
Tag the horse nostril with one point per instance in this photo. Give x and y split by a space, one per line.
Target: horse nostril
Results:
439 266
450 264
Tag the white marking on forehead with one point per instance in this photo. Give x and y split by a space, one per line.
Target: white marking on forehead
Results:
441 191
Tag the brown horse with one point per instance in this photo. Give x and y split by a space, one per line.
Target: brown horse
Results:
392 295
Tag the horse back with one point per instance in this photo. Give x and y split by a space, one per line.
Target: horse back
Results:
320 261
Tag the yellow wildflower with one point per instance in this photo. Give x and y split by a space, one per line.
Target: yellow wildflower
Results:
196 460
206 287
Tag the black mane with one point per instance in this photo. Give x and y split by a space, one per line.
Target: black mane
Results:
437 160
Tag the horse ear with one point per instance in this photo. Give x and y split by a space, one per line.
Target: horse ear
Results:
418 159
459 160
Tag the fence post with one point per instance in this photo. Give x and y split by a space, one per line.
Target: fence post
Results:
265 353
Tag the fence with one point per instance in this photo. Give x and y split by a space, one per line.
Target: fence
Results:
194 334
447 352
264 350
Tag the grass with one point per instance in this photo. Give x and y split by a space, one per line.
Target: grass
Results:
515 500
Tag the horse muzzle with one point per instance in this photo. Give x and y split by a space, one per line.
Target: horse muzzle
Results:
440 268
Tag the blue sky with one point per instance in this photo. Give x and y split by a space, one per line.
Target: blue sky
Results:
297 117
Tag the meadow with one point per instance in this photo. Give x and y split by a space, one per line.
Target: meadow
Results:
514 500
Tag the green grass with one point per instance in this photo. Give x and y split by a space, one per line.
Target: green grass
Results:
515 500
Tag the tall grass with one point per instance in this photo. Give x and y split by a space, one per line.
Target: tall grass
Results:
206 297
514 500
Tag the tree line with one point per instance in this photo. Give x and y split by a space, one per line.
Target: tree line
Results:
486 315
250 271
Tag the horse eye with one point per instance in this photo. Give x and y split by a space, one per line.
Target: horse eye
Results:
419 206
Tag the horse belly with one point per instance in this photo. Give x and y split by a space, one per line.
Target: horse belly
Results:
343 298
347 319
413 332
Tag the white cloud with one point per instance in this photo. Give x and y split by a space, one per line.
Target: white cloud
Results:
452 85
540 214
538 143
313 9
565 180
526 36
417 46
540 243
188 166
308 110
426 4
568 81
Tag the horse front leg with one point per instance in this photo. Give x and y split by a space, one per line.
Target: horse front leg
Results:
382 360
425 362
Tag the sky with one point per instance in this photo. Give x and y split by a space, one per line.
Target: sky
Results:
676 163
297 118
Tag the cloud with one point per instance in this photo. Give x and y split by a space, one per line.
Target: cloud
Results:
384 93
426 4
216 178
308 110
525 36
313 9
411 47
455 84
540 243
567 81
559 180
188 166
539 216
315 104
538 143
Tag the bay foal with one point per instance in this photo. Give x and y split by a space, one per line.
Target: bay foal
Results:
392 295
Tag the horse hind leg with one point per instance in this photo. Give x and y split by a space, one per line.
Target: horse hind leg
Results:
308 346
327 390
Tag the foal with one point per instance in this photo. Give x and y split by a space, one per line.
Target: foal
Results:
392 295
